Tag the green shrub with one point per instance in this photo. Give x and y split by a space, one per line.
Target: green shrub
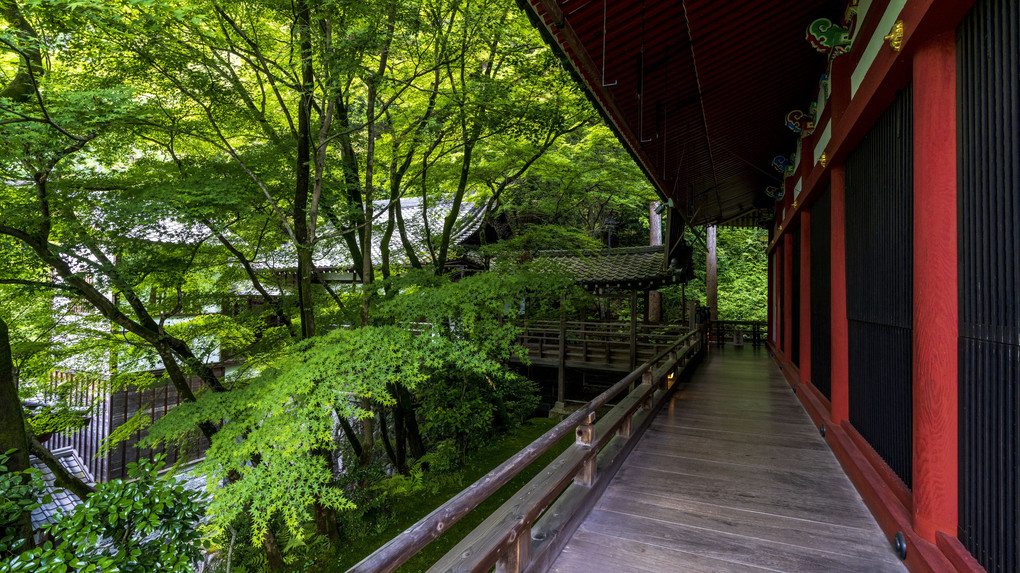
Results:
149 524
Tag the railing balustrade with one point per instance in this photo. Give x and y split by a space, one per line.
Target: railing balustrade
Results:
528 532
726 330
609 343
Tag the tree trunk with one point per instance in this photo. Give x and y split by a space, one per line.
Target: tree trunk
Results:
367 435
325 517
12 428
399 430
458 197
352 437
272 549
414 439
352 181
384 431
21 87
302 177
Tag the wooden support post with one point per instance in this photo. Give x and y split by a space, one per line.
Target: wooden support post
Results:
787 303
633 329
584 340
840 336
711 276
777 314
518 556
936 319
562 362
805 296
624 430
585 438
645 313
771 294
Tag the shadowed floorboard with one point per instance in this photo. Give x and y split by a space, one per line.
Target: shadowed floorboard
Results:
731 476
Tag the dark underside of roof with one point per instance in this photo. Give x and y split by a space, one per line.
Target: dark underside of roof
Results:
698 90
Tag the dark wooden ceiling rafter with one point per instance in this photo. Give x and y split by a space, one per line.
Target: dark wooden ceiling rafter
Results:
697 90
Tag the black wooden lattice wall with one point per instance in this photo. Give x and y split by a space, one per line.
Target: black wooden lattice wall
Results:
821 280
988 75
879 260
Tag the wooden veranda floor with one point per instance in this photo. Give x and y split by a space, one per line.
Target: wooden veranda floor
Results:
731 476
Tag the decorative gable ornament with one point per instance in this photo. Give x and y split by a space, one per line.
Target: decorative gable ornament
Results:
783 164
828 37
850 17
771 191
801 123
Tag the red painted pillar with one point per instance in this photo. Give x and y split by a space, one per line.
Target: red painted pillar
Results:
805 296
840 389
777 318
788 296
770 289
936 322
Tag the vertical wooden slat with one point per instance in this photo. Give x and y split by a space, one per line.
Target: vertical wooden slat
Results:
821 281
840 336
988 202
879 253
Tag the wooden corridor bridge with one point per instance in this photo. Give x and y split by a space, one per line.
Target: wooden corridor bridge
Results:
705 461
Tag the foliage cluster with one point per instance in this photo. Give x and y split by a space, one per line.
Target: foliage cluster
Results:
146 524
742 272
181 182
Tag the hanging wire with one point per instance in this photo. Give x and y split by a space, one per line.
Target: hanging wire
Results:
641 90
604 84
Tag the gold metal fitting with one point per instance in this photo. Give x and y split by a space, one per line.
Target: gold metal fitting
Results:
823 160
780 227
794 204
895 36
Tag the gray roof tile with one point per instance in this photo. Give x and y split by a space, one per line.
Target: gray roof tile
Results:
638 268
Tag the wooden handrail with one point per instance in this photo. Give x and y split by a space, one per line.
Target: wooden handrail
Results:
508 537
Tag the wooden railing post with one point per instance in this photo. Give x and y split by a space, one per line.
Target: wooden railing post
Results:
624 430
584 342
646 380
585 438
633 330
518 556
677 365
562 366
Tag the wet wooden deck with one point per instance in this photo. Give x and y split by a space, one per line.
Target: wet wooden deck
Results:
731 476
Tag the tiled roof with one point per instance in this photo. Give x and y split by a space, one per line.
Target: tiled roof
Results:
638 268
62 500
331 251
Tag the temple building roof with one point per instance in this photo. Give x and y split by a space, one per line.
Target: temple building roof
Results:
61 500
631 268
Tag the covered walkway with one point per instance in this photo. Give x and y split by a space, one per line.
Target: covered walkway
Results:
731 476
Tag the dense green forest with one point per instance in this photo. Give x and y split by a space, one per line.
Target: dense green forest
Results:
180 182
